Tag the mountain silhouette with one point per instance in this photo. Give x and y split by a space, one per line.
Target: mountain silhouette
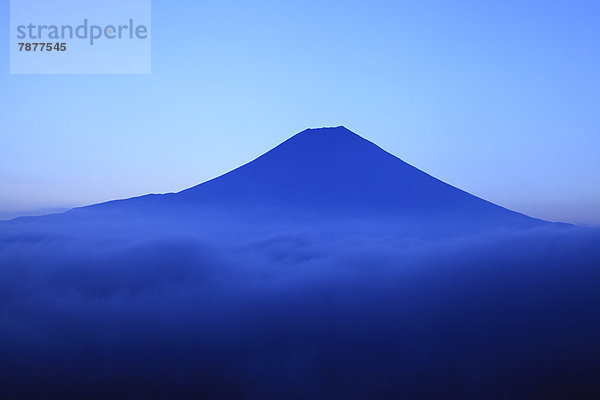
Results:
337 171
321 175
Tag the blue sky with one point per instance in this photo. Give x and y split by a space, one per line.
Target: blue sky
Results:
501 99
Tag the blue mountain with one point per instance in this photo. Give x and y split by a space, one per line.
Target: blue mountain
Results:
317 176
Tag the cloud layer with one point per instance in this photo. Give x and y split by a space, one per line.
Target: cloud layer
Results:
510 314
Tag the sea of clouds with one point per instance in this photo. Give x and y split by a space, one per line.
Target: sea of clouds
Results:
505 314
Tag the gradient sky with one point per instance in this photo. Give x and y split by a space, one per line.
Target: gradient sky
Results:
501 99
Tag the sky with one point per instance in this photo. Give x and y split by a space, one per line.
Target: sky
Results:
501 99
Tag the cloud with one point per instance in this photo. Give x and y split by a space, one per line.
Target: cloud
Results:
290 315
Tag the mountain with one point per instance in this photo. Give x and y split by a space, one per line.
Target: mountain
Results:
318 176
